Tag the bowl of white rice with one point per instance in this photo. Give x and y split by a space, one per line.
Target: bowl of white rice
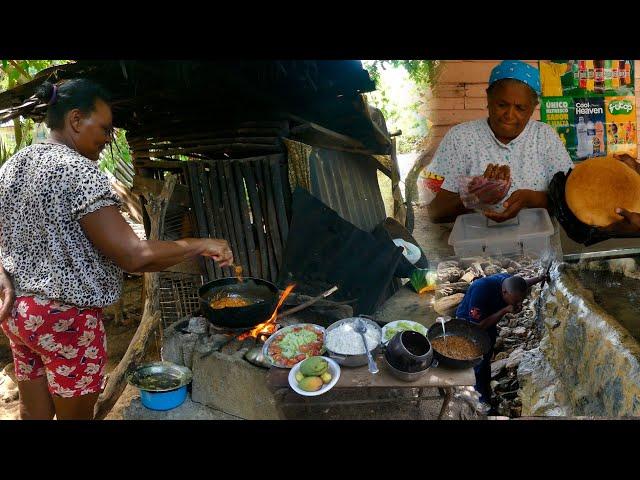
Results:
344 344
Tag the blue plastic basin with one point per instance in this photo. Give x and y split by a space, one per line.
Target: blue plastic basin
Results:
164 400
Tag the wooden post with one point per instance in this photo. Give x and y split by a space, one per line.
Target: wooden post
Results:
265 215
218 211
119 317
198 208
272 217
209 212
156 209
256 211
399 208
228 215
279 197
252 256
240 254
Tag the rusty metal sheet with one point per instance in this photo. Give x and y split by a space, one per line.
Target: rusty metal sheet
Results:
348 183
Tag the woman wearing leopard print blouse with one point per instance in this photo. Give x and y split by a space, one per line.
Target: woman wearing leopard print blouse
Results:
65 246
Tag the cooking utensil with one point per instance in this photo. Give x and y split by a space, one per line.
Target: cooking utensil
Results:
262 295
308 303
237 270
409 352
399 374
444 330
352 360
257 358
361 328
162 385
465 329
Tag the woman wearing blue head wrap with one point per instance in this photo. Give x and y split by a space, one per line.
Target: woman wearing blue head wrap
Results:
531 149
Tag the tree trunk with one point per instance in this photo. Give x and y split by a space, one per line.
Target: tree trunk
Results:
156 208
399 207
17 132
411 182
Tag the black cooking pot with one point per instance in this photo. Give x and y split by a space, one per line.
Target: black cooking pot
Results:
262 296
464 329
409 351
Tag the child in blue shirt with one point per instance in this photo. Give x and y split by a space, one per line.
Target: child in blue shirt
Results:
487 300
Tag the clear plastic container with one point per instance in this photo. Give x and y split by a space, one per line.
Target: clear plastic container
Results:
529 233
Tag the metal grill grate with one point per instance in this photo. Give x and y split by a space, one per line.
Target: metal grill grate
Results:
179 296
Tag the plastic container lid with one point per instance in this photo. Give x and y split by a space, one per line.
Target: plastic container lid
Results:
474 232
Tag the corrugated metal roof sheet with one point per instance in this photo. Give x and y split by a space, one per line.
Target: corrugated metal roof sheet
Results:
171 94
348 183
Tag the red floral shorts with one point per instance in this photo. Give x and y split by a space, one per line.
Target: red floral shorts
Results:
65 342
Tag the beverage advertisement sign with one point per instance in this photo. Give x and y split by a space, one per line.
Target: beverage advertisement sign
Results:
591 104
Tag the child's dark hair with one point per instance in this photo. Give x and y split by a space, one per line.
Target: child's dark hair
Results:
516 284
77 93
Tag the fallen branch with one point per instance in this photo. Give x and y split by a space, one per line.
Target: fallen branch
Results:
156 208
308 303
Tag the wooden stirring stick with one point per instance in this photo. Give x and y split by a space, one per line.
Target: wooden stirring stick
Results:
238 271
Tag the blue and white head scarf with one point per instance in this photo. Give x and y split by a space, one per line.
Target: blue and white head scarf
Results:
517 70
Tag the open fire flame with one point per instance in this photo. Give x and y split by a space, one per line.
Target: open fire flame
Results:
267 328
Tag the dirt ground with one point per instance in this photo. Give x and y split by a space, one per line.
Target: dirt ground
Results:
120 329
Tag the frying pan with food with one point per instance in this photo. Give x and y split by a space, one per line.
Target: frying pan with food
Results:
464 329
258 296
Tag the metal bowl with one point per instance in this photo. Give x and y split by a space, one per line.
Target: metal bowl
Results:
352 360
160 377
404 376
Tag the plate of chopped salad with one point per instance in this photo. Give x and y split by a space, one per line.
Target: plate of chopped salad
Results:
290 345
391 328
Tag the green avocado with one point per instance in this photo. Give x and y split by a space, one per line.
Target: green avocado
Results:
314 366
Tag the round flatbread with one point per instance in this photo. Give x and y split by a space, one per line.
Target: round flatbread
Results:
597 186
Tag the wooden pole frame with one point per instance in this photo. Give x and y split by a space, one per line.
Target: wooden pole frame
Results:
156 206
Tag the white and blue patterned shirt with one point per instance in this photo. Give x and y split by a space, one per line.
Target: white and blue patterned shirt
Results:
534 156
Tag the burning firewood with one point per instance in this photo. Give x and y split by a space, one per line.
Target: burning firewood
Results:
270 326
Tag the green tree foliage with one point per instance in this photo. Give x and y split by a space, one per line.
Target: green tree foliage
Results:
116 151
401 106
12 74
423 72
17 72
399 97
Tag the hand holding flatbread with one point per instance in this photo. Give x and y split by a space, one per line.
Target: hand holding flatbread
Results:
596 187
630 223
628 160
